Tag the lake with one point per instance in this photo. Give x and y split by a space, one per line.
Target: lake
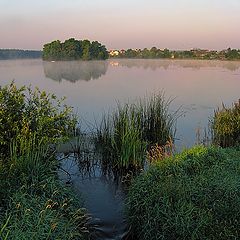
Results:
197 86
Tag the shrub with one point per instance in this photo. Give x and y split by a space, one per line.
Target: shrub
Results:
33 203
194 195
226 126
24 113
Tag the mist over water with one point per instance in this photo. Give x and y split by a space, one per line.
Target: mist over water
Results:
198 86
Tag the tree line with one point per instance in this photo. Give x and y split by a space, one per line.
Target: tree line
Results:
228 54
73 49
19 54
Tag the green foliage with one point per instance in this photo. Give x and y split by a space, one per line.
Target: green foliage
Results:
232 54
33 203
194 195
19 54
38 206
156 121
226 126
127 143
73 49
44 217
24 113
125 134
120 139
229 54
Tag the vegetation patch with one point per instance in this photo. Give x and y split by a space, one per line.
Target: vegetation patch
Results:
19 54
36 205
33 203
226 126
193 195
73 49
125 135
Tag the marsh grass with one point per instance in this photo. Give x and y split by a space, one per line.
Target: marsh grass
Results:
125 134
3 232
191 195
38 206
158 123
225 126
158 153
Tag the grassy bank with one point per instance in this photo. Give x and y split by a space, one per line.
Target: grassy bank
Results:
33 203
194 195
36 204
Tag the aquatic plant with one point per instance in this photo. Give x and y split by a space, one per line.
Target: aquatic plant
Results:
125 135
127 142
158 124
225 126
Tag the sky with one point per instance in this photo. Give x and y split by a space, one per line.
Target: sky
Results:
121 24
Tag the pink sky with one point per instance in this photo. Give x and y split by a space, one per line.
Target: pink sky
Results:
177 24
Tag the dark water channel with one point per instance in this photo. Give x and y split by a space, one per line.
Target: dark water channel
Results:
102 192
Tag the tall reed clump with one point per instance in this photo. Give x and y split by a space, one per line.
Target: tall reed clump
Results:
226 126
125 135
158 124
119 138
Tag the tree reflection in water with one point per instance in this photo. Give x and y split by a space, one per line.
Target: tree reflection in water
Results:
75 70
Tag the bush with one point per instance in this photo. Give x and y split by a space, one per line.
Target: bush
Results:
24 113
33 203
226 126
194 195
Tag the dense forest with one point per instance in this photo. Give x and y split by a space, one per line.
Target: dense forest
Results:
73 49
228 54
19 54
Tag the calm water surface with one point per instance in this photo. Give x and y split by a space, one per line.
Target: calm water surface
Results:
94 87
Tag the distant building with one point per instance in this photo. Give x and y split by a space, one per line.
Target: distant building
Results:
114 53
200 53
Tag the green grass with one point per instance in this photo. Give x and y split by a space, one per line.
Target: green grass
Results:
125 135
37 205
49 214
226 126
193 195
33 203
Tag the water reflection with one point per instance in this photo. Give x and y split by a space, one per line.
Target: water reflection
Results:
75 70
88 70
104 193
154 64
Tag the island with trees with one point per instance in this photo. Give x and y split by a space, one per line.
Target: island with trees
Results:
152 53
6 54
73 49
